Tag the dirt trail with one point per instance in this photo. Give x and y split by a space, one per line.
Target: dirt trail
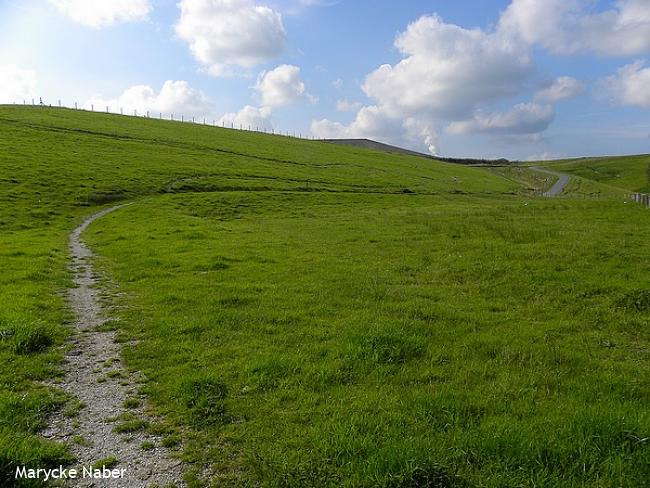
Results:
94 375
559 185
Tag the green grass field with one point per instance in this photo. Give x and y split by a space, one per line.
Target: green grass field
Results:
317 315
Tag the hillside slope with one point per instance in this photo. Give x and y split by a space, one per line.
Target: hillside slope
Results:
627 172
56 165
305 314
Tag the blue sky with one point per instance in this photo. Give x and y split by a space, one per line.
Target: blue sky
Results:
491 78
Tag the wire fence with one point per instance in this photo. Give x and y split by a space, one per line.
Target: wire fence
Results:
173 117
642 198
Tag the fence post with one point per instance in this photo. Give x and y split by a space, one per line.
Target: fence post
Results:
107 109
121 111
182 118
59 103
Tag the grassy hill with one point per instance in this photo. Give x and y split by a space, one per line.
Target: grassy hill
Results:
629 172
316 315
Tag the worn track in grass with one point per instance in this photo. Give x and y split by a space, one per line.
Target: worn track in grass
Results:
94 376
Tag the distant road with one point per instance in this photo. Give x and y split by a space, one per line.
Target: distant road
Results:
559 185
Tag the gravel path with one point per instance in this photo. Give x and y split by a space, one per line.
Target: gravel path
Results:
559 185
94 375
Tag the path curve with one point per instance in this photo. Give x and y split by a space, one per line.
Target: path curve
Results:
559 185
94 375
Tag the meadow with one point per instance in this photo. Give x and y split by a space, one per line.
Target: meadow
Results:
314 315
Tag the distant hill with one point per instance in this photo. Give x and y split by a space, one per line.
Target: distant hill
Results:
377 146
628 172
380 146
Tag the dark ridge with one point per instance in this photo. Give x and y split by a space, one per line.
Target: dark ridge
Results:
380 146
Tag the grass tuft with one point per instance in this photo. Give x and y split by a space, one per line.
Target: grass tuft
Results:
107 462
635 301
31 337
205 400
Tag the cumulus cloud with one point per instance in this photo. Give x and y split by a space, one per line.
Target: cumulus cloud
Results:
102 13
277 88
347 106
281 86
253 117
225 33
447 73
175 97
370 123
448 70
569 26
523 119
318 3
374 123
562 88
630 85
451 74
16 84
545 156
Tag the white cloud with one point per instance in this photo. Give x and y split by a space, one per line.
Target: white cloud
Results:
225 33
568 26
16 84
318 3
370 123
253 117
546 156
562 88
523 119
447 73
347 106
102 13
281 86
277 88
175 97
337 83
448 70
451 74
630 86
374 123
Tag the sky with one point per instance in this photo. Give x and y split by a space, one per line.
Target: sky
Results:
520 79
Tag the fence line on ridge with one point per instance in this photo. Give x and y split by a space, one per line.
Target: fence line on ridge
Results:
175 117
